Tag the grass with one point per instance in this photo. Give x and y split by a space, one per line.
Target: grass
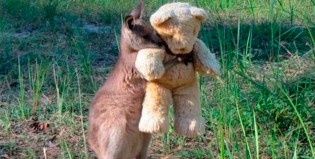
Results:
262 106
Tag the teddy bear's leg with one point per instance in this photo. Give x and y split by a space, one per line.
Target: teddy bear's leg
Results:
154 116
188 119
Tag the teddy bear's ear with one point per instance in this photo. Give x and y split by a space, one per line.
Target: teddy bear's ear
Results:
158 18
199 13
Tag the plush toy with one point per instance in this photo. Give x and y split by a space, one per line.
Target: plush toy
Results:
178 25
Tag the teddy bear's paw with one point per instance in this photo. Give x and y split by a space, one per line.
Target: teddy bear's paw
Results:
211 72
151 124
204 60
151 74
155 74
190 127
149 63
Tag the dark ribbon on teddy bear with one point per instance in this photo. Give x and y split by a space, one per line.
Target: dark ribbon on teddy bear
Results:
178 58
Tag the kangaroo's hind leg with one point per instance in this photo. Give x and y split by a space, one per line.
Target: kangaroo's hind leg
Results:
113 140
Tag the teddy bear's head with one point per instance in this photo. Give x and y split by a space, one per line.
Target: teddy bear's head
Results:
178 24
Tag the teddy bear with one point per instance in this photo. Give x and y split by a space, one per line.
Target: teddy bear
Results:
178 24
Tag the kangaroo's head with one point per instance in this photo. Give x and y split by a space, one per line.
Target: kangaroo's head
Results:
138 34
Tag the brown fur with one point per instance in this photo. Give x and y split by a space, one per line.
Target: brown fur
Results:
116 108
178 25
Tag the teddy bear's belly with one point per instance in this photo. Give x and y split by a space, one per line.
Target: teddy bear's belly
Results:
178 75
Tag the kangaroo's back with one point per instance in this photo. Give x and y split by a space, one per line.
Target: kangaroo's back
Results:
116 108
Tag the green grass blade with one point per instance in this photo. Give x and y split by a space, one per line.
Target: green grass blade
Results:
81 115
300 120
243 129
256 135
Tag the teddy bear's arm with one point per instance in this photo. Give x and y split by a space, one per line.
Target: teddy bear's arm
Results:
149 63
205 61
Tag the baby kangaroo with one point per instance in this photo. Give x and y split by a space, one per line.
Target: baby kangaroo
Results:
116 108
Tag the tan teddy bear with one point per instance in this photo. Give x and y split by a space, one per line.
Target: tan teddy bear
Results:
178 25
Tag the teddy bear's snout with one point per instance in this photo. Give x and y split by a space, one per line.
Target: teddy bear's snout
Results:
181 49
181 45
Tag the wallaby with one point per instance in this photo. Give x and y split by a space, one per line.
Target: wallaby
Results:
116 108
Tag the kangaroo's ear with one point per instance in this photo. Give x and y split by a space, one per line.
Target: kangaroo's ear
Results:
129 21
138 10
